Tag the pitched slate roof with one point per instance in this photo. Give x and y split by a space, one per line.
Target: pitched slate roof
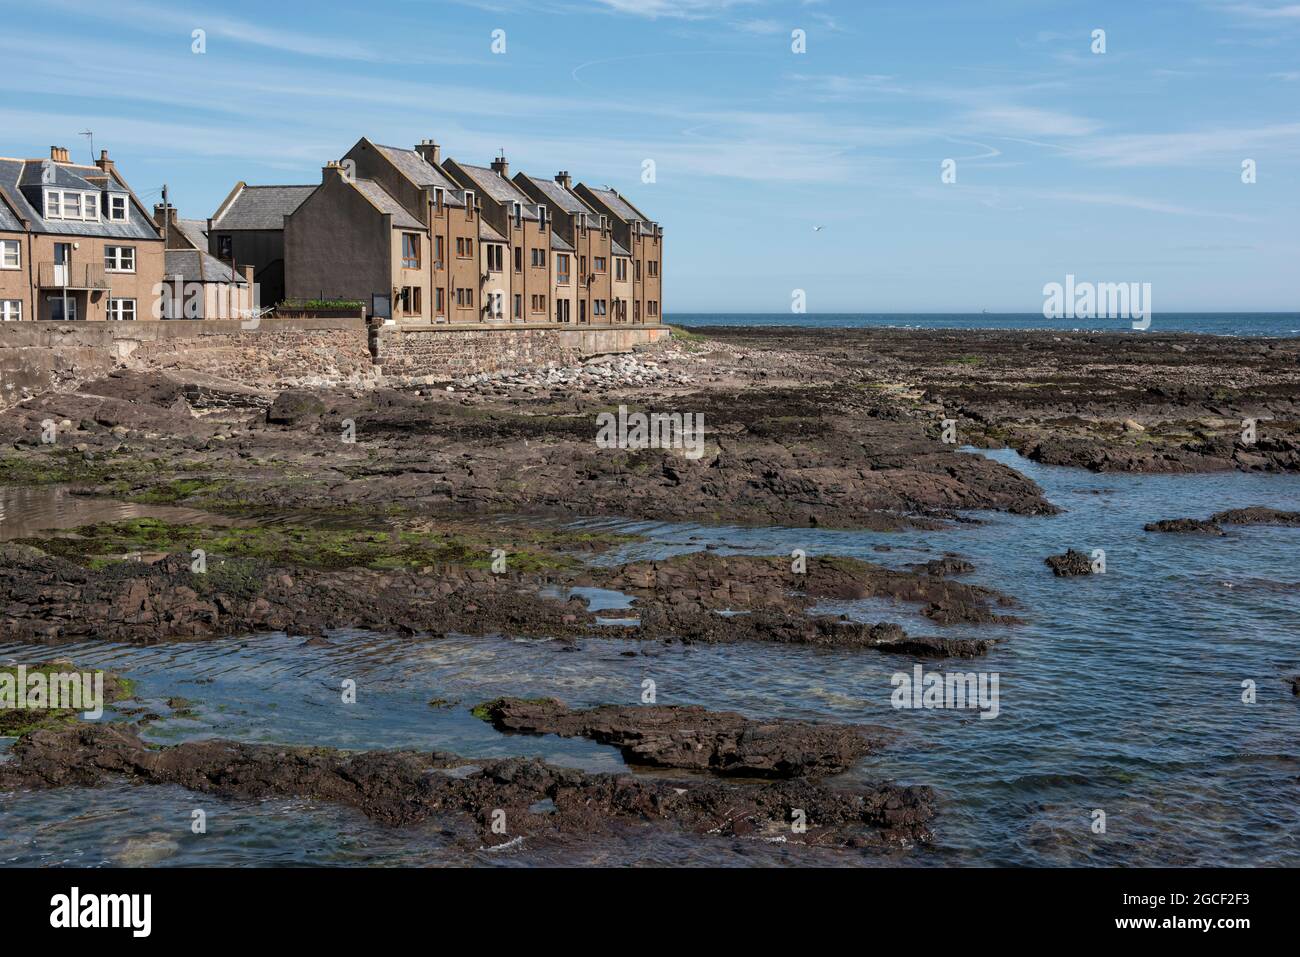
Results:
22 182
262 207
386 204
8 221
194 230
618 205
617 248
494 184
421 172
488 232
558 197
558 244
194 265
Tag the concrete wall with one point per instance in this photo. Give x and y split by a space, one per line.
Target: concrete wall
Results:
43 356
409 352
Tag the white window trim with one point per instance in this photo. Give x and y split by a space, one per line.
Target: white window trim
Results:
62 195
9 314
18 251
118 267
126 209
115 313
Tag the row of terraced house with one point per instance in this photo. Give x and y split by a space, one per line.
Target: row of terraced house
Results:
406 234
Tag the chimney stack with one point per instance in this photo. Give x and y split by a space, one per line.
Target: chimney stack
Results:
564 179
501 166
164 213
431 152
59 154
104 163
332 167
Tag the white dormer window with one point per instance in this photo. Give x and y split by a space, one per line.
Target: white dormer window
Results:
117 209
71 204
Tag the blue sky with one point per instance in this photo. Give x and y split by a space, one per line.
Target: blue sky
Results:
1116 167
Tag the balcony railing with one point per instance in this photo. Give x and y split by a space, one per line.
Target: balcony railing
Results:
72 276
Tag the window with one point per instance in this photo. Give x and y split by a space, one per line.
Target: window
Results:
637 271
465 298
539 303
636 310
464 247
539 258
652 308
562 268
409 298
597 308
519 259
121 310
497 303
11 254
410 250
117 209
70 204
56 308
519 306
562 313
620 269
439 251
599 263
652 267
495 253
11 310
440 301
582 269
119 258
225 247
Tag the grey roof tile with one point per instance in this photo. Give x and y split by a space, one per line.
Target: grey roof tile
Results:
420 171
558 243
500 189
487 231
386 204
262 207
194 265
194 230
22 183
620 207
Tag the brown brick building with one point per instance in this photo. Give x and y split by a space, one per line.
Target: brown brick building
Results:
75 242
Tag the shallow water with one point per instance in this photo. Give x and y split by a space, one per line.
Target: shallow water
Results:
40 509
1121 692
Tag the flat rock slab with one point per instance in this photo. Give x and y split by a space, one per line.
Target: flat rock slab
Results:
407 787
691 737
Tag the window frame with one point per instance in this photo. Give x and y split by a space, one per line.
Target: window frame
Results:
85 199
5 313
410 250
117 314
17 245
118 260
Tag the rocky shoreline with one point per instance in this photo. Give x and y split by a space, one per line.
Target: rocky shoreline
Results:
432 511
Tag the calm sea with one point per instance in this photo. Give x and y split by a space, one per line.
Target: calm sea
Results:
1212 323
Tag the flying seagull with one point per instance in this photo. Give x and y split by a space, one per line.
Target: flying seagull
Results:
818 229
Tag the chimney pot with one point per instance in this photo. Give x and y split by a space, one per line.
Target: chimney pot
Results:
59 154
431 152
502 167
